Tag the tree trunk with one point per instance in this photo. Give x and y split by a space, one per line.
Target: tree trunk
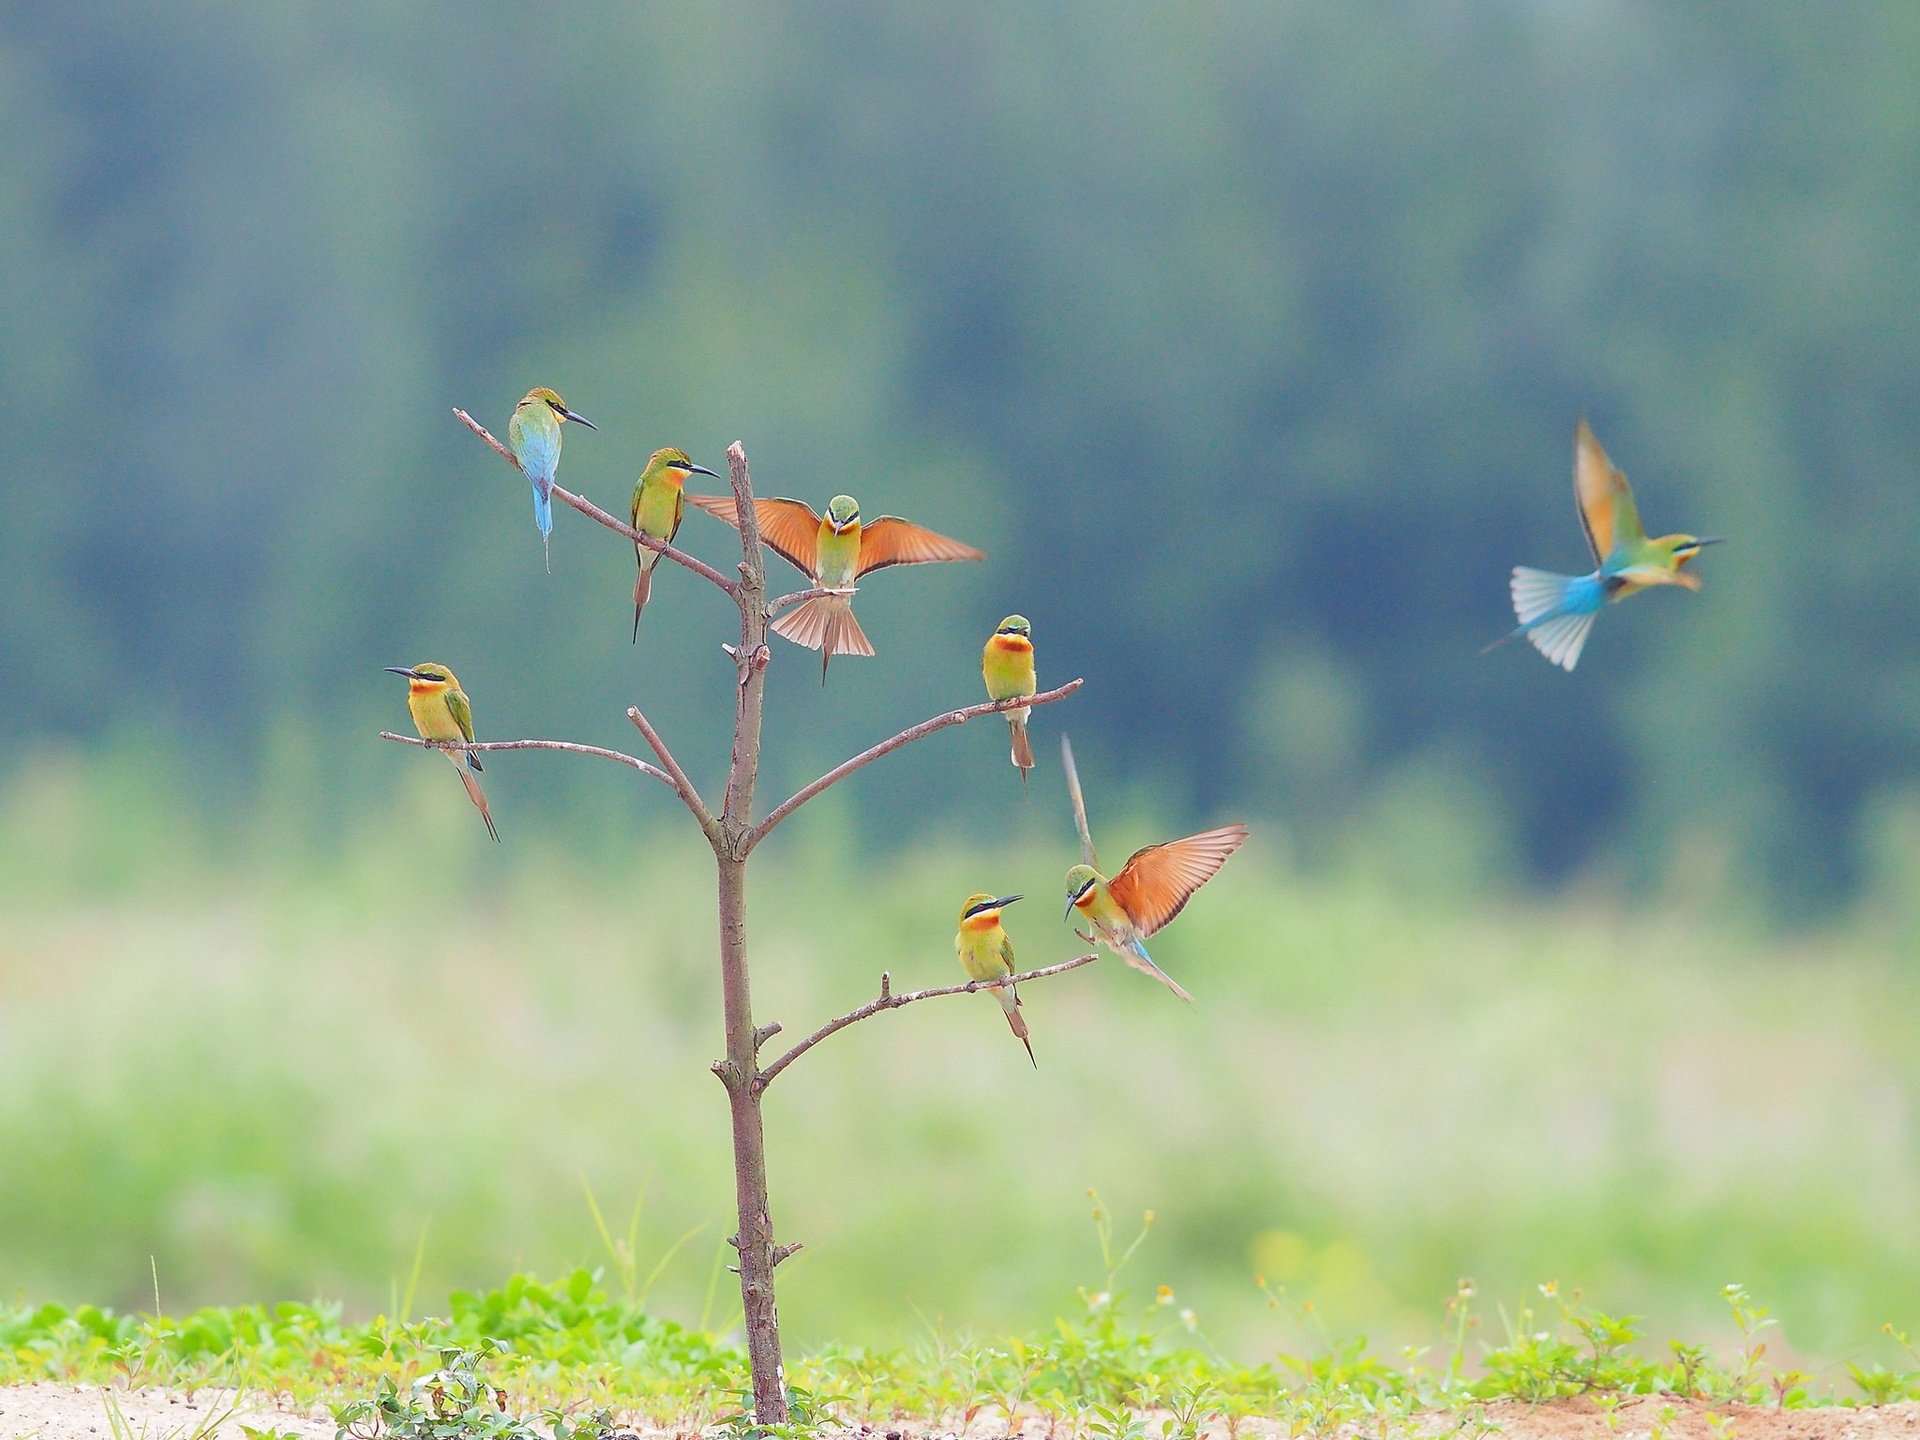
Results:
754 1240
741 1069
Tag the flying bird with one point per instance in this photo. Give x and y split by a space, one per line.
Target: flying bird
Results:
987 954
659 500
1556 612
533 434
441 712
834 550
1007 667
1148 891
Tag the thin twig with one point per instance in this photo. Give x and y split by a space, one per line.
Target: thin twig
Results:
774 607
1079 801
642 766
593 512
905 737
888 1000
675 776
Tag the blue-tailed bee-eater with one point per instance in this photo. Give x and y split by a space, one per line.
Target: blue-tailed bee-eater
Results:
1151 888
533 434
987 954
1007 666
1556 612
441 711
659 500
834 550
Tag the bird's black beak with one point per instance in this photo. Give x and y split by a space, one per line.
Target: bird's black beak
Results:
401 670
701 470
1706 540
1006 900
580 419
1066 913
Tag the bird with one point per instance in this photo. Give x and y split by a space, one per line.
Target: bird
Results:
1007 667
659 500
533 434
441 711
1556 612
987 954
1149 890
834 550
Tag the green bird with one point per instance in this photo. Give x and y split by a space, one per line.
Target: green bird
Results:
441 711
1148 891
533 434
987 954
834 550
1556 612
1007 667
659 500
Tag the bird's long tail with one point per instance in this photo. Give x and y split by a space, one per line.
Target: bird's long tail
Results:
824 623
1135 954
1022 750
1556 612
465 765
543 520
1010 1002
642 583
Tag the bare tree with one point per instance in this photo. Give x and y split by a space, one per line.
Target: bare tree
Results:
733 835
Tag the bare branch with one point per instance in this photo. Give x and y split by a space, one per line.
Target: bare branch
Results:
567 745
593 512
905 737
888 1000
675 776
774 607
1079 801
751 655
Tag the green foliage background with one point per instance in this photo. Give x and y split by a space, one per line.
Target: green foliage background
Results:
1249 340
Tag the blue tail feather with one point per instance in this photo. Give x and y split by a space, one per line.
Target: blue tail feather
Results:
1556 612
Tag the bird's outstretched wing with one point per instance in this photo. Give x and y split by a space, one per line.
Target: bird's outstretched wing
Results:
1607 511
1079 802
1156 882
789 528
893 541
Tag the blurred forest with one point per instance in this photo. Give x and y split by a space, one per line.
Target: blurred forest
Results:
1249 339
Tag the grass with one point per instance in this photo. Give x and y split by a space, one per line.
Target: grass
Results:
409 1063
568 1360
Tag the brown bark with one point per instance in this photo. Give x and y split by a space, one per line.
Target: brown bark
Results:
740 1071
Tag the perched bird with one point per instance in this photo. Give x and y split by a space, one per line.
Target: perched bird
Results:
1556 612
1151 888
1007 667
659 500
834 550
533 434
987 954
441 712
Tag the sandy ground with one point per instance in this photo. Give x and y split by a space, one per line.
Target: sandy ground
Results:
46 1411
79 1412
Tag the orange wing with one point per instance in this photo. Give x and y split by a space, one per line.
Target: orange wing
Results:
1607 511
787 527
893 541
1156 882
